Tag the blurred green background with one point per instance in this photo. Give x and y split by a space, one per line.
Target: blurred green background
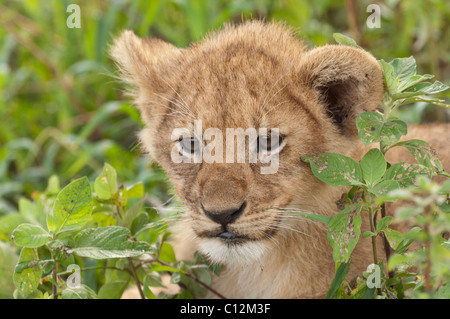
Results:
63 113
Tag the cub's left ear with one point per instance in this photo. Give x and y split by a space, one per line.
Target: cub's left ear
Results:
347 81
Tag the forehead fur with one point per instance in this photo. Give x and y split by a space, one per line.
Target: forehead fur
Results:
237 71
237 76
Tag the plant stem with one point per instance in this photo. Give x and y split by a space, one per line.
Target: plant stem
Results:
136 279
218 294
44 279
374 242
55 280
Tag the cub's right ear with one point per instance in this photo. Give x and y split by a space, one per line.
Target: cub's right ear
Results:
144 62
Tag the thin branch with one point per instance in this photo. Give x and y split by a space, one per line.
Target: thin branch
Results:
136 279
218 294
55 280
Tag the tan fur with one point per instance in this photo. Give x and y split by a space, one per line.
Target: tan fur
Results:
258 75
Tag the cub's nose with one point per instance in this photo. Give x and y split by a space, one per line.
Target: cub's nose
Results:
226 216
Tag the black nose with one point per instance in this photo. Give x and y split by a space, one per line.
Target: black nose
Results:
225 217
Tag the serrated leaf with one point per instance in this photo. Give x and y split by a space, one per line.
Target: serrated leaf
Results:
72 208
27 280
335 169
373 166
30 235
107 242
106 184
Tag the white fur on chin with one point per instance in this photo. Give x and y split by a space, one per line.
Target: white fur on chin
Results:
217 251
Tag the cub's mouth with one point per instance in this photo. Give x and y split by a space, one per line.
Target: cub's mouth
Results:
227 237
242 241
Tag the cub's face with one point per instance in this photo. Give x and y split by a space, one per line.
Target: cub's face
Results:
229 119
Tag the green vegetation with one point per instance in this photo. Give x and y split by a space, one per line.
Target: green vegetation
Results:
374 182
64 116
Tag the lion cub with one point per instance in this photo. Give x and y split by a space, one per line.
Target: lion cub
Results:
257 84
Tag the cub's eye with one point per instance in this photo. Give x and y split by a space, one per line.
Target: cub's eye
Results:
190 145
269 143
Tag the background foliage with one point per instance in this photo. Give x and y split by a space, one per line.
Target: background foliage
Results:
63 113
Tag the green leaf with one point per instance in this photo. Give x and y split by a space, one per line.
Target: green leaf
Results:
106 184
148 293
166 253
203 275
8 223
8 259
409 82
367 234
320 218
408 239
390 78
82 292
403 68
345 40
404 173
395 238
423 154
338 279
30 235
335 169
155 266
385 187
153 279
132 213
422 89
136 190
373 166
373 129
53 187
27 280
343 232
72 208
139 223
383 223
107 242
113 289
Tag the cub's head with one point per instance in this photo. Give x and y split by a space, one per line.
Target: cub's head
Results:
229 118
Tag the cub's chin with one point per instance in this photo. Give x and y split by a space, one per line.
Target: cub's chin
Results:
225 251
